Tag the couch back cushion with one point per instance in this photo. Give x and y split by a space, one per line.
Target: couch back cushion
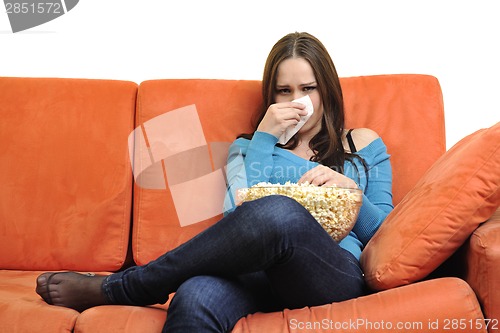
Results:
184 128
65 175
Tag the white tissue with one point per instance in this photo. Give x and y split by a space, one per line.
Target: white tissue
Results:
290 131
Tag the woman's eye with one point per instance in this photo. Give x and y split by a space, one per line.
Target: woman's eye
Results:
283 91
311 88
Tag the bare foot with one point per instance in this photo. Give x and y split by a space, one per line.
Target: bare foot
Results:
72 290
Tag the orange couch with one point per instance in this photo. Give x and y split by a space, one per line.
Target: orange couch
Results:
94 176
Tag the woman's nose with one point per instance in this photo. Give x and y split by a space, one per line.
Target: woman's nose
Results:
297 95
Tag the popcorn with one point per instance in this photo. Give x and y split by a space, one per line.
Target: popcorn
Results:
335 208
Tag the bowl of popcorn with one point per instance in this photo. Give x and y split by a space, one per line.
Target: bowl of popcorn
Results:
335 208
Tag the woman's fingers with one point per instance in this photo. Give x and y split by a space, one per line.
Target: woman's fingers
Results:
280 116
324 176
317 176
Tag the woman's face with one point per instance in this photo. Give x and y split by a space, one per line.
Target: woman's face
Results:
295 79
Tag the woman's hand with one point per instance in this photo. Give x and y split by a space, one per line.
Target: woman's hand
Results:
324 176
280 116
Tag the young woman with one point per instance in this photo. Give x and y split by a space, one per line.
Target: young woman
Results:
268 254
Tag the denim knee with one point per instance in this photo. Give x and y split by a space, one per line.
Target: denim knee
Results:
276 213
208 304
276 208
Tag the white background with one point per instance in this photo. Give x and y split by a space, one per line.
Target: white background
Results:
456 41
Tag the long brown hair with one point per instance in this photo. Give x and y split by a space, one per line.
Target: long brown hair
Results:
327 144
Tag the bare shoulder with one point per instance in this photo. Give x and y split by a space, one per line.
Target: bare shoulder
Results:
362 137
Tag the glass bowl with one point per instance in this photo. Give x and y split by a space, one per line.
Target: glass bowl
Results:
335 208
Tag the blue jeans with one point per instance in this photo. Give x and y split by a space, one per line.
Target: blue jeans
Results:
269 254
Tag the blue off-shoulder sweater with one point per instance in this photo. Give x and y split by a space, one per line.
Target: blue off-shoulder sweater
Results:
259 160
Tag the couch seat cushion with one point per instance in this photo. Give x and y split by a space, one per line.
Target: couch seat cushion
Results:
125 319
413 308
23 311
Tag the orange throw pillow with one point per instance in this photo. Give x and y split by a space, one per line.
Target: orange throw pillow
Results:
448 203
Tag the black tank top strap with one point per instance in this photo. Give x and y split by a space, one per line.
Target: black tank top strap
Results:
348 136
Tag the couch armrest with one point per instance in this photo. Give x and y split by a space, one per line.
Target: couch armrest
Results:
483 265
